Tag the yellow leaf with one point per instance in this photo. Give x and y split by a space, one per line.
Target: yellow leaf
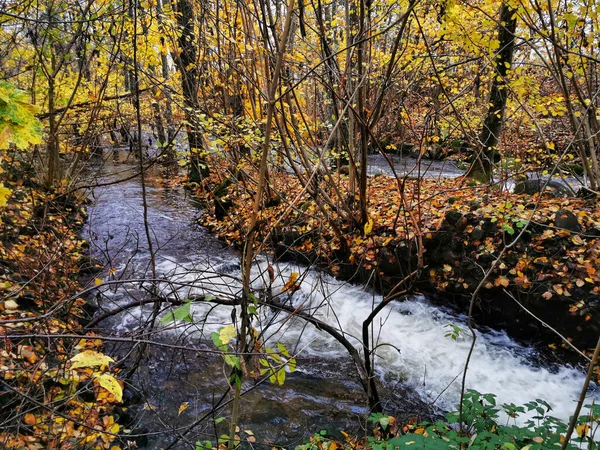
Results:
368 226
582 430
183 407
97 281
4 193
226 334
111 384
90 358
290 285
577 240
558 289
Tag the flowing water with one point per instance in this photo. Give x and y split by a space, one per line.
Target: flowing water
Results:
419 368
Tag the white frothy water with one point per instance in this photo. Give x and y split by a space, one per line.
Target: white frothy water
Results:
409 336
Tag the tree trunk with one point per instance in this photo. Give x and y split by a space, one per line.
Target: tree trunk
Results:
494 120
187 62
53 148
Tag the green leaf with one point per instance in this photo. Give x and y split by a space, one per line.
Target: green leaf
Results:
216 339
182 313
281 377
231 360
283 350
18 124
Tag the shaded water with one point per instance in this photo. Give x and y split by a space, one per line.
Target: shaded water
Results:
419 368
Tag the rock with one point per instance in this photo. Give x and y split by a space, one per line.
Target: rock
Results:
587 194
474 205
273 201
452 217
477 234
222 206
221 189
554 188
566 220
577 169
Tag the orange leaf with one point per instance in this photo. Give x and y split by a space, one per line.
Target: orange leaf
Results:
291 285
501 281
30 419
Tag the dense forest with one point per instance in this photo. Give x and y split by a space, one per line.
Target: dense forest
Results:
323 224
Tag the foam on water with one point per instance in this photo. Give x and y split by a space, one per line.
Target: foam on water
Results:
410 335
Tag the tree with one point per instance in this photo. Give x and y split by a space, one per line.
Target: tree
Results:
494 120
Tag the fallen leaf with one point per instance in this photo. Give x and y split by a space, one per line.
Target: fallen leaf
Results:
183 407
90 358
111 384
501 281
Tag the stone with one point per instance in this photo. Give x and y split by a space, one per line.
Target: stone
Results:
566 220
554 188
477 234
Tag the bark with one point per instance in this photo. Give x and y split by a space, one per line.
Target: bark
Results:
187 64
494 120
53 148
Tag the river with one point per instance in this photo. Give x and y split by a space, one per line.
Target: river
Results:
418 366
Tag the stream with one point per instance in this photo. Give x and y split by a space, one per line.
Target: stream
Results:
419 368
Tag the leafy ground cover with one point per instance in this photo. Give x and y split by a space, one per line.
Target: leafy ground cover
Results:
539 250
55 392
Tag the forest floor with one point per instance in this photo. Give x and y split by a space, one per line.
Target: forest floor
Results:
44 401
536 251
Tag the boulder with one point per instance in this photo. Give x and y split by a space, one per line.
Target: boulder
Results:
566 220
552 187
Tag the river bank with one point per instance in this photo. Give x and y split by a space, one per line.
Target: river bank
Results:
43 403
541 252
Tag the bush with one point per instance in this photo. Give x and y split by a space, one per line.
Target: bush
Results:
481 429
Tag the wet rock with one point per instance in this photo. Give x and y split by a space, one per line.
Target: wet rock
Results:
566 220
551 187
